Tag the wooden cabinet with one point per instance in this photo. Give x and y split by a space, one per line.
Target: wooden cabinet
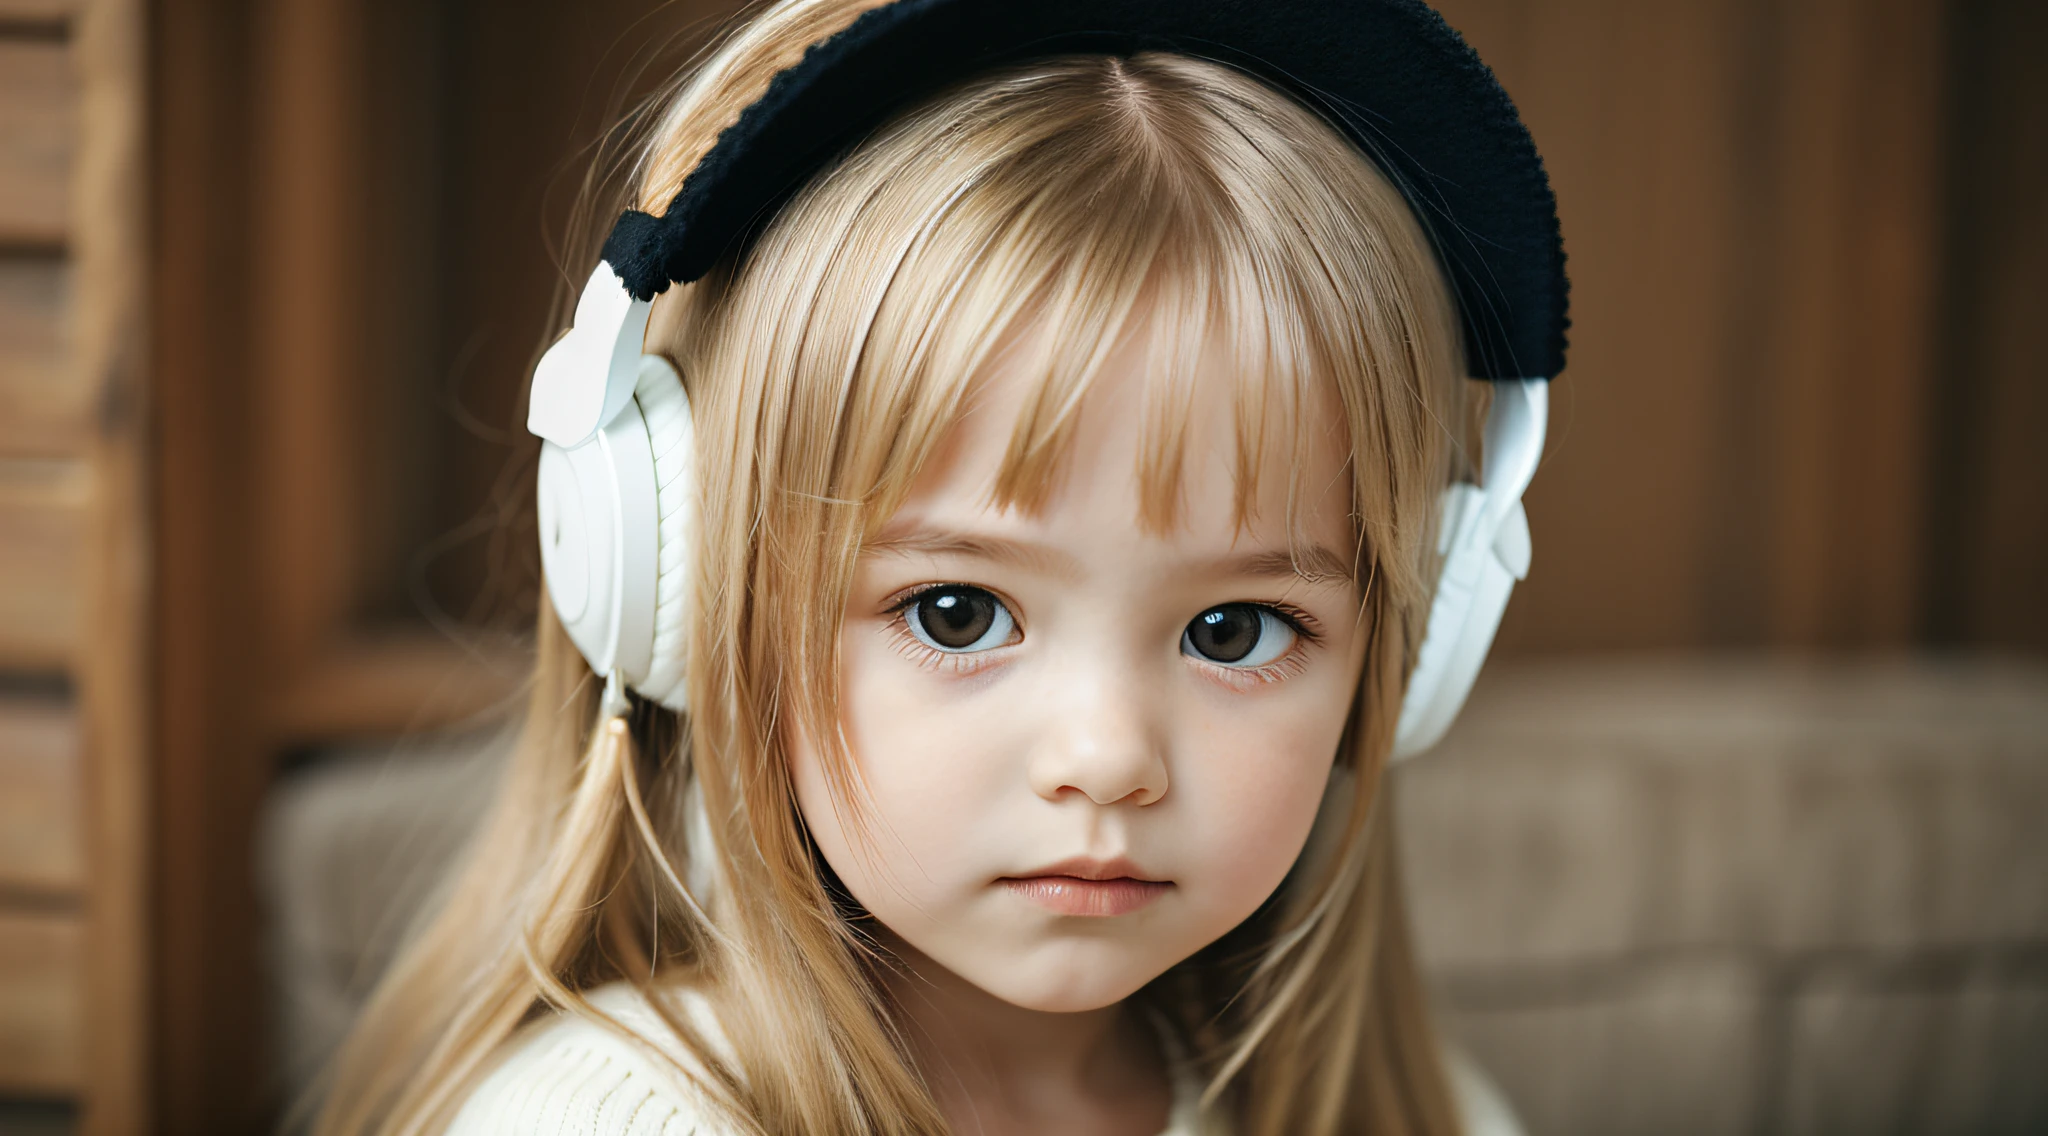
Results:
74 1024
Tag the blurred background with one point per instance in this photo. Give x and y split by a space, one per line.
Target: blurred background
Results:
1744 830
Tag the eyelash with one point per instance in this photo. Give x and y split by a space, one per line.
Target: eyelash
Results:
1306 629
923 653
1307 633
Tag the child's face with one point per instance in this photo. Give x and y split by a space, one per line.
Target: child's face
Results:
1087 750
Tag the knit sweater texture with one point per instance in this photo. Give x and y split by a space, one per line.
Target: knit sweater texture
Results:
567 1075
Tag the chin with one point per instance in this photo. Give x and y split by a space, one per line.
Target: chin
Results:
1064 980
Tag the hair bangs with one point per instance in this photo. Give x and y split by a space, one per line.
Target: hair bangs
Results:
1111 216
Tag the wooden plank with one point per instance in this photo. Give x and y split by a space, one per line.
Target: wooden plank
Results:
40 844
38 133
307 340
396 684
111 251
1858 150
42 532
34 12
41 990
1988 510
45 408
210 768
1633 107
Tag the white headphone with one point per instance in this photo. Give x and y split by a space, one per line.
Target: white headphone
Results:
1483 537
617 492
617 504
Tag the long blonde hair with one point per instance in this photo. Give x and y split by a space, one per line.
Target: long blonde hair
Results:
1094 197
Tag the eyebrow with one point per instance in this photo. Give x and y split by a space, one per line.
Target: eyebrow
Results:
1313 563
941 542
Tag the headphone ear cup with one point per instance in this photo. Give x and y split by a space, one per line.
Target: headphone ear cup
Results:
672 441
1471 597
597 543
574 560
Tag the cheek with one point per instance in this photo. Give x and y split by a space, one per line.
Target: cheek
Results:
1253 784
922 768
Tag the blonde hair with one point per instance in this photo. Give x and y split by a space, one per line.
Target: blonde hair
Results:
1093 198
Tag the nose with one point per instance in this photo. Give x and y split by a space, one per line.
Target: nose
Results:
1102 738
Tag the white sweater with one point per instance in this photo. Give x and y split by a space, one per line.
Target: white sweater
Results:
569 1076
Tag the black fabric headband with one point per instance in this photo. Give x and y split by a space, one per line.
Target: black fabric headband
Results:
1390 73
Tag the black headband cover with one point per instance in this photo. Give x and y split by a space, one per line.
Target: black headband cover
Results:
1390 73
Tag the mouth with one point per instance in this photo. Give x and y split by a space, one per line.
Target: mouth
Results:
1087 887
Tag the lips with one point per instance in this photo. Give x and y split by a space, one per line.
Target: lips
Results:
1087 887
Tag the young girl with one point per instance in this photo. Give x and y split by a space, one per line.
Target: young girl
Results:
1033 619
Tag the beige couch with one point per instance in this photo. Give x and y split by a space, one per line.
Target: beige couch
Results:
1654 895
1743 897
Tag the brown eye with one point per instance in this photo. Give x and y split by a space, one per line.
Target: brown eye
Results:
1237 635
957 618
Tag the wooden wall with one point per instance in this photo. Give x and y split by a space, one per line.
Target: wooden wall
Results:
1749 196
73 580
1808 242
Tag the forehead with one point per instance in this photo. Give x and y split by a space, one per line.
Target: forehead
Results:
1192 452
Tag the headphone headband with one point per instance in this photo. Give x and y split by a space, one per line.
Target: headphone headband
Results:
1390 73
617 491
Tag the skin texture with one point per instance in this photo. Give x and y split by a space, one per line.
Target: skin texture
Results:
1088 733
